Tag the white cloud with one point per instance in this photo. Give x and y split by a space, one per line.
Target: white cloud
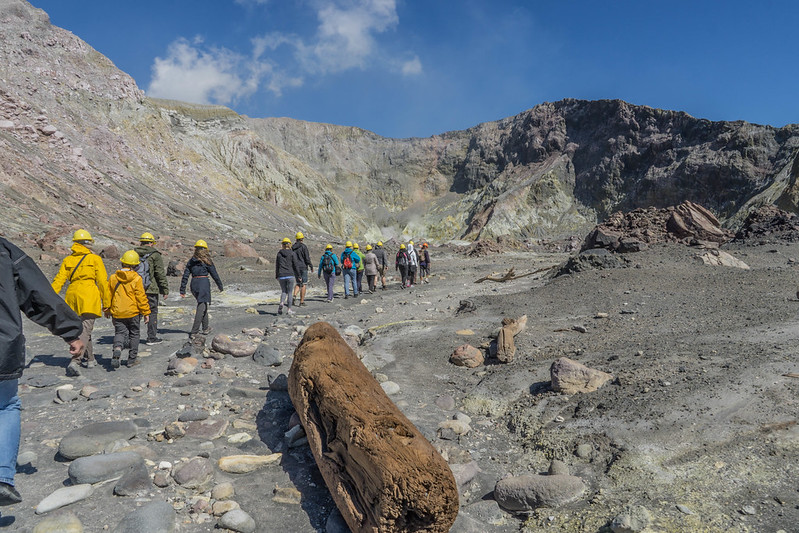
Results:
346 35
346 38
412 67
205 76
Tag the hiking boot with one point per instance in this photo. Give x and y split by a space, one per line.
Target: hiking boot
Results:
153 342
208 330
73 369
302 304
280 310
290 312
8 495
345 296
91 363
134 362
115 358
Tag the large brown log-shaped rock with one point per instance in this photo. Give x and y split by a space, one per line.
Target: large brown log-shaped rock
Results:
382 473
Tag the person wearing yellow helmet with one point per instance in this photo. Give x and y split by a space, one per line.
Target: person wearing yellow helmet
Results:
370 265
287 272
128 306
349 267
359 267
382 262
304 259
199 267
401 263
87 293
330 267
153 276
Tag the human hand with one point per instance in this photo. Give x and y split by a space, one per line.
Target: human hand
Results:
107 313
146 319
76 347
182 295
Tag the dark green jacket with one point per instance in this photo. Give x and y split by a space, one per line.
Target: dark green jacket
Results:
158 281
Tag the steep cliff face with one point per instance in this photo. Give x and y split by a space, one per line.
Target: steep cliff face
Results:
80 144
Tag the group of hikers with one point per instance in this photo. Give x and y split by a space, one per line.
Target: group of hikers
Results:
293 262
131 294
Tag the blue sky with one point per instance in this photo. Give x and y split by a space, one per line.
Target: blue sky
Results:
414 68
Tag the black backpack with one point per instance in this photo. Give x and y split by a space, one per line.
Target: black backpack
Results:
328 264
402 258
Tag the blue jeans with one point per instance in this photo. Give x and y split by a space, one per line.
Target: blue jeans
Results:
9 429
349 274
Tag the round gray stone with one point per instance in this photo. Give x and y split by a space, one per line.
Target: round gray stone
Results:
525 493
238 520
154 517
267 356
96 468
91 439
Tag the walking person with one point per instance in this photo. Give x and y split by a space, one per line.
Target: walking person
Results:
424 264
370 264
413 264
401 263
382 262
128 306
154 280
287 272
24 289
356 250
304 258
330 267
199 267
348 269
87 293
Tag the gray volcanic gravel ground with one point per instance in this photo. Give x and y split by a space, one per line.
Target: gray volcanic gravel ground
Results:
699 426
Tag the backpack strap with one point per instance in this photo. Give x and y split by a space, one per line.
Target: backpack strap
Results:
76 267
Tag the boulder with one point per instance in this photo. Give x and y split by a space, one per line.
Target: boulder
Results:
468 356
238 249
224 344
571 377
93 438
528 492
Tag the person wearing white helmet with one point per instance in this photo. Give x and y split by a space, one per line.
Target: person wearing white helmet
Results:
87 293
304 257
128 306
199 267
155 281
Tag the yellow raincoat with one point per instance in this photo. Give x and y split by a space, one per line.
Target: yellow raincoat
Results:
127 294
88 291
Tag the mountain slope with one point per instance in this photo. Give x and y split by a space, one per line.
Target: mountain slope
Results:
81 145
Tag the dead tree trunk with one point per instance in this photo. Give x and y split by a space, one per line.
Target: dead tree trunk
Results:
506 349
382 473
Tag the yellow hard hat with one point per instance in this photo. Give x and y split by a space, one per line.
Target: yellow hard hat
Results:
329 247
402 246
146 237
348 244
410 242
368 247
356 247
300 235
130 258
286 240
81 235
201 244
380 243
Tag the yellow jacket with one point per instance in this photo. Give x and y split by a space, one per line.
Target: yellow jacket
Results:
87 292
128 298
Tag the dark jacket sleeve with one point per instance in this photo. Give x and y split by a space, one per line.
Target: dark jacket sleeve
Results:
215 276
38 300
185 280
159 272
297 266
